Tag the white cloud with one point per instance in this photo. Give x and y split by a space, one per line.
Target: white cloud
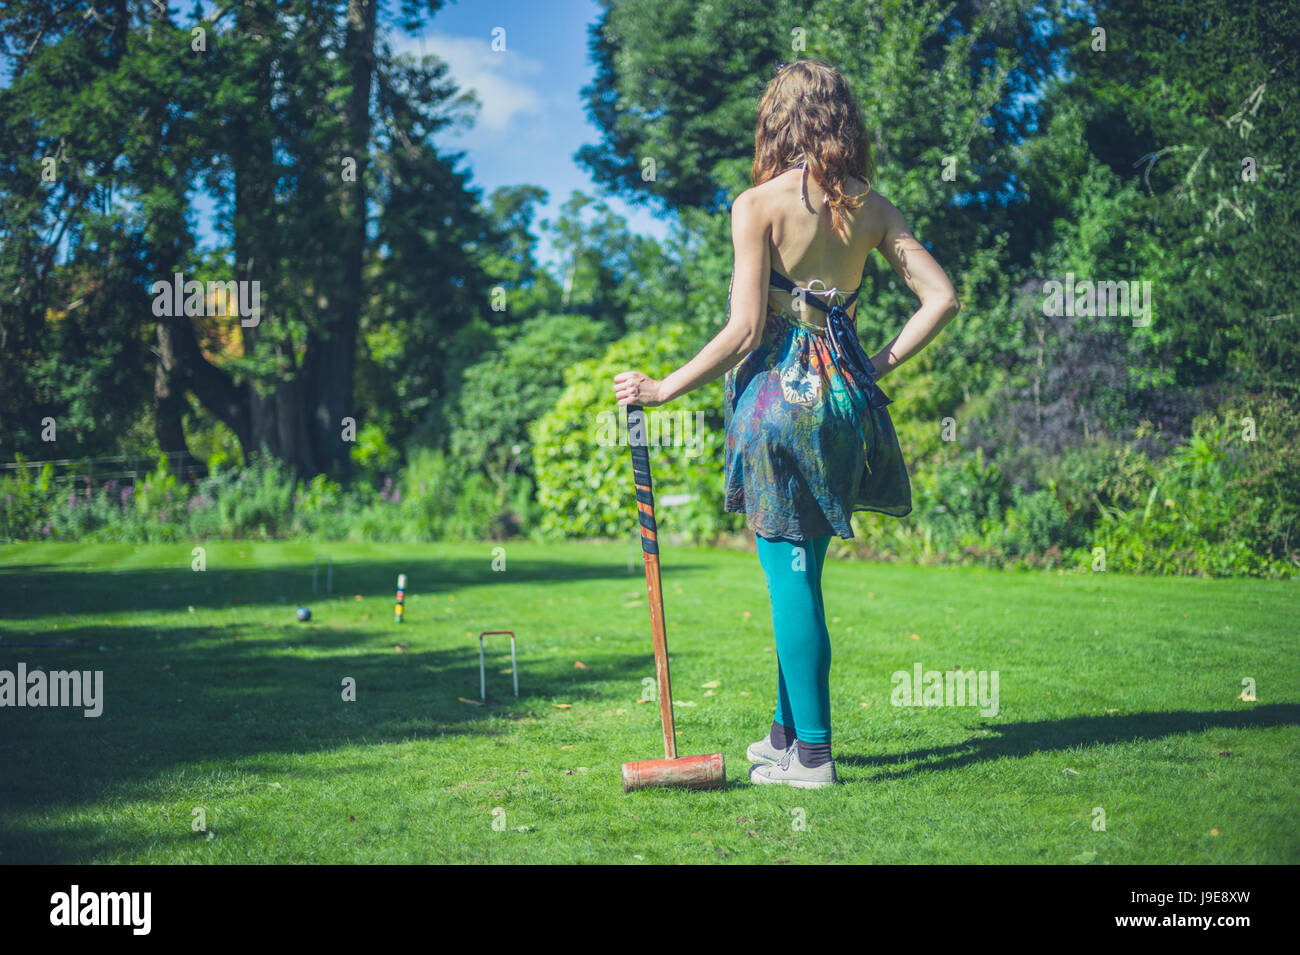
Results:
505 82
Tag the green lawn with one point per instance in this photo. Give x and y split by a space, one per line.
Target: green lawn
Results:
1114 692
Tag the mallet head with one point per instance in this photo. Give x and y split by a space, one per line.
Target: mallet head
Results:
686 772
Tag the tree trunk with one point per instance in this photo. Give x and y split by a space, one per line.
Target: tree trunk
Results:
331 365
166 237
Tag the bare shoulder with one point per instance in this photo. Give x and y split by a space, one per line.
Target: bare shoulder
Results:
880 210
745 200
770 194
749 209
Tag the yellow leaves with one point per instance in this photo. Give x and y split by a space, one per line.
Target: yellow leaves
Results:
579 665
562 706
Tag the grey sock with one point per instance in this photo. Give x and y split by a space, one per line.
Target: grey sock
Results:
813 755
781 736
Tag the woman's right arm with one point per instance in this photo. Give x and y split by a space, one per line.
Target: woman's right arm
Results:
927 280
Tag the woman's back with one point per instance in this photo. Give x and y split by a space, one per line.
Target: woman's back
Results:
803 245
809 440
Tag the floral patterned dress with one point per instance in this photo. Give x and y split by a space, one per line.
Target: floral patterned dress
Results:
809 439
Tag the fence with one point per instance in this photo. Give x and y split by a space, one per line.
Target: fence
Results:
90 471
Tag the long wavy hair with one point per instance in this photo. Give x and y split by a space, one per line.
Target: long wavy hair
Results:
808 113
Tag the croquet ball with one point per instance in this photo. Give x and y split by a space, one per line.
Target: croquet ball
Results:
304 614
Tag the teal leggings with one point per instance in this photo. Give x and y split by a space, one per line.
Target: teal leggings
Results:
803 645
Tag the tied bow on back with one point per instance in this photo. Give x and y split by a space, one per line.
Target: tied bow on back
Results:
845 346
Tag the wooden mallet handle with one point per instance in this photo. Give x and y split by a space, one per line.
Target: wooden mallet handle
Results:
637 438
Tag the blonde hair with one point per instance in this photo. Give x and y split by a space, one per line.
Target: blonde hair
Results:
808 113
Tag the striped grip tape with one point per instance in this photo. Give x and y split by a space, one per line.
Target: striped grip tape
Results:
645 496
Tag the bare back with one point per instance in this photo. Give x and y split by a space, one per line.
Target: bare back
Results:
805 248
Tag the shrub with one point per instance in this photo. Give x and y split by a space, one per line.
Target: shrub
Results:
960 499
516 384
1037 524
1222 503
583 465
254 501
26 500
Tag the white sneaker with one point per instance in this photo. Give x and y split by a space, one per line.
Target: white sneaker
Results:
763 751
789 771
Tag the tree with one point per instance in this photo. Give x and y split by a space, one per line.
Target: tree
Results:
275 109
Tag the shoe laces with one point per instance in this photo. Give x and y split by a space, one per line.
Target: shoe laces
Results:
784 761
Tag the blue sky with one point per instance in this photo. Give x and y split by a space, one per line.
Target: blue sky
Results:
532 119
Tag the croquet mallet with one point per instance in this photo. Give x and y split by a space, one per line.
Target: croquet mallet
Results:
687 772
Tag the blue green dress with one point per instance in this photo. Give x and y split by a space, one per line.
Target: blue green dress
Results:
809 439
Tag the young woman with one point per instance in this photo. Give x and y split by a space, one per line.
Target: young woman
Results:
809 439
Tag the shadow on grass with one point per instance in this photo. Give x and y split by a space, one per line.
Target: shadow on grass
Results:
35 590
1044 736
196 705
26 844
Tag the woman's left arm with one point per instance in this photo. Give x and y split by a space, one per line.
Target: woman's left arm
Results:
743 331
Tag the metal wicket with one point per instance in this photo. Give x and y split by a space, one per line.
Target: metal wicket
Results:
329 577
482 672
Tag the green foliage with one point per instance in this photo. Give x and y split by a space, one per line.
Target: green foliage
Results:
1037 524
26 498
515 385
584 466
154 495
254 501
1225 502
372 452
962 499
323 509
1195 109
434 498
211 441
